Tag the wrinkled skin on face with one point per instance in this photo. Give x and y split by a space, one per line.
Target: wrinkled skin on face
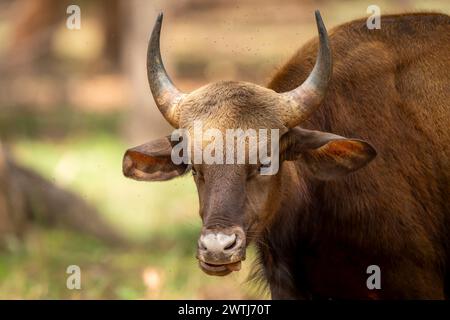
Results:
236 201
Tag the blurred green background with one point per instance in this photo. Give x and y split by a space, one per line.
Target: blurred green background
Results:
71 103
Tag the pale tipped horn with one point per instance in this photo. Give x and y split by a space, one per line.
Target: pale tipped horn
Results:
166 95
303 100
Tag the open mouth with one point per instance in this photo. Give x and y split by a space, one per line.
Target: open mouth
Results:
219 269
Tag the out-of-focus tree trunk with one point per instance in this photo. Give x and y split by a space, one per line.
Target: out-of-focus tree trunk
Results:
36 21
112 18
144 121
12 203
33 26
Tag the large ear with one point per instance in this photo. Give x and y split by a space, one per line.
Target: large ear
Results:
152 162
326 155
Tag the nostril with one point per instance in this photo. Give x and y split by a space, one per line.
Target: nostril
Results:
227 242
201 245
231 245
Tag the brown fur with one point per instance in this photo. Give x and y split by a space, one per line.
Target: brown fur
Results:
392 88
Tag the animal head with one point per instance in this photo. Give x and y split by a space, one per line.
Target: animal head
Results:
236 200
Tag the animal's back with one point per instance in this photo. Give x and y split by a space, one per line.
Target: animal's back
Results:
390 87
408 58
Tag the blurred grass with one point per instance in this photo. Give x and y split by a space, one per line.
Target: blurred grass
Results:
92 166
162 216
37 271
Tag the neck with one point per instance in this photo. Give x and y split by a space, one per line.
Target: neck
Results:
287 229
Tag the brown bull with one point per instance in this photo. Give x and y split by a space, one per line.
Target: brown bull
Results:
326 216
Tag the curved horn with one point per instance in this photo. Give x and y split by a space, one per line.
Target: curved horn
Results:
308 96
166 95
